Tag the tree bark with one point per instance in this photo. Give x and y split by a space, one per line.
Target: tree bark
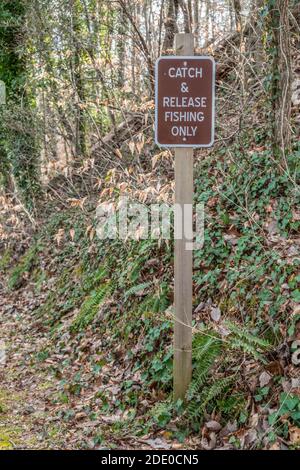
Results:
186 16
122 27
237 13
281 77
80 142
196 22
170 25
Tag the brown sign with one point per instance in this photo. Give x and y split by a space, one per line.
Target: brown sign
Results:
185 101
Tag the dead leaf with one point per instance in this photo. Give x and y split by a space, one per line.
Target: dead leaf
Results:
77 202
275 446
140 145
250 437
294 433
215 313
119 154
80 416
213 425
209 444
158 444
264 379
59 236
131 146
296 310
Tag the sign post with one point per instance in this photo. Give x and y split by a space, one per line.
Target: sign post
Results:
184 120
182 369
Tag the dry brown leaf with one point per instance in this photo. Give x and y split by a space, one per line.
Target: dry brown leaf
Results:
294 433
215 314
77 202
59 236
131 146
119 154
72 234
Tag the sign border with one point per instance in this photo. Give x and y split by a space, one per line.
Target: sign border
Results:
172 57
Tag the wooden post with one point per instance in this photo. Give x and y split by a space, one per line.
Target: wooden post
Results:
183 257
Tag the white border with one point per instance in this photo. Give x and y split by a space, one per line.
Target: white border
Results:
213 99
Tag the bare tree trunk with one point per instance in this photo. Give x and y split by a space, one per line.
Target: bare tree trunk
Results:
186 16
281 77
237 13
80 144
139 40
146 12
231 17
196 22
207 21
133 66
213 21
170 25
190 10
122 28
138 62
160 28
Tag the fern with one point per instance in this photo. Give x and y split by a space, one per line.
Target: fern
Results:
137 289
213 391
205 351
155 302
244 334
196 408
5 259
232 405
161 299
241 344
207 347
90 307
93 278
205 344
241 339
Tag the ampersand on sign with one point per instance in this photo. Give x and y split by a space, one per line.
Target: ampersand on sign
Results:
184 88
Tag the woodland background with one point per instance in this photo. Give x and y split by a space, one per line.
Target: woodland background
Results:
87 324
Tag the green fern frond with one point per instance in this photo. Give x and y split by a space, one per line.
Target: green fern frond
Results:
241 339
246 336
94 278
200 375
205 351
161 299
137 289
241 344
207 347
196 408
91 306
216 389
205 344
232 404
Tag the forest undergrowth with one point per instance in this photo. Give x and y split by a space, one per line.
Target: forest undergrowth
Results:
100 313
